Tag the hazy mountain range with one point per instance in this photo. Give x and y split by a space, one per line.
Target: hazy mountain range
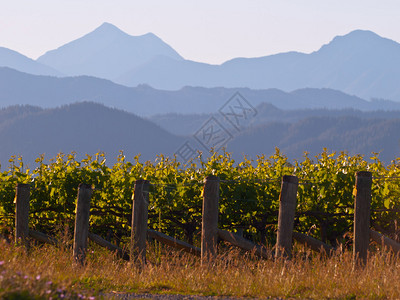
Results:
45 91
360 63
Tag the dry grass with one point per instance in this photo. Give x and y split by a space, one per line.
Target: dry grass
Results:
48 271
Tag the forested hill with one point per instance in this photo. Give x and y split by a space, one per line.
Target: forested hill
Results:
352 134
187 124
89 128
84 128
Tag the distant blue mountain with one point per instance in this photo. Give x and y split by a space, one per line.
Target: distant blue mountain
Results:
360 63
12 59
107 52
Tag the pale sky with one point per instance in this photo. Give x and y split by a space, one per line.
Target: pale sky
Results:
211 31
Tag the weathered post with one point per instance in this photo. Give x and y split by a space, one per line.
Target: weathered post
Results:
139 220
209 230
82 222
287 209
362 215
22 193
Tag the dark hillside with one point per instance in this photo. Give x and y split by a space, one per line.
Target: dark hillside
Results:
355 135
84 128
10 113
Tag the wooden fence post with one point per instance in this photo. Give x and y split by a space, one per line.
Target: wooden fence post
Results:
362 215
209 230
82 222
287 209
139 220
22 193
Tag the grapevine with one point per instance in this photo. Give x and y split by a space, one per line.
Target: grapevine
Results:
249 193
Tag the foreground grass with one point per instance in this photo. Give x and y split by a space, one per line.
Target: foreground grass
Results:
49 272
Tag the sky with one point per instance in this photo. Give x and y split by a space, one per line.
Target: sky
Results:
211 31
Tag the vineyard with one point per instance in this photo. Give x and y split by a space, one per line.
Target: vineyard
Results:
249 194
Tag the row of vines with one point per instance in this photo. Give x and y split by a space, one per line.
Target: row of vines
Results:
249 194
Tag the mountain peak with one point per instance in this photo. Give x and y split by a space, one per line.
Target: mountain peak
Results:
362 33
358 35
359 40
107 29
107 52
108 25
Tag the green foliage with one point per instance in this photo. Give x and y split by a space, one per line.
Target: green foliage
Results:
249 193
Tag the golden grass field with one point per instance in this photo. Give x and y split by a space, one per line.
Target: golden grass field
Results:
46 272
